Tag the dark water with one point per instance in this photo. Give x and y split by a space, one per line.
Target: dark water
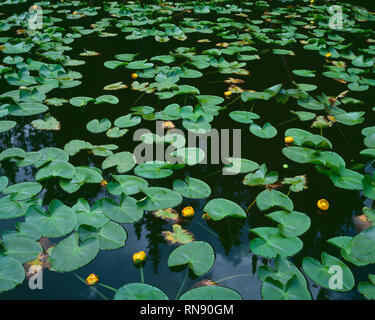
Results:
230 239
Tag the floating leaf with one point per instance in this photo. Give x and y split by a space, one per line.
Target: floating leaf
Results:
272 198
271 243
159 198
218 209
124 161
140 291
192 188
98 126
57 222
211 293
126 184
178 236
12 273
111 235
291 224
323 273
267 132
69 254
198 255
50 123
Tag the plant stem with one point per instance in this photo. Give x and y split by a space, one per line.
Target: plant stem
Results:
107 287
232 277
142 277
212 173
139 98
182 284
230 233
290 120
207 229
251 204
233 101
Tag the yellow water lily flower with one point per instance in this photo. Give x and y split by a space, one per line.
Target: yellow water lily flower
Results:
328 54
139 257
289 139
206 217
134 75
323 204
188 212
331 118
227 93
104 183
168 125
92 279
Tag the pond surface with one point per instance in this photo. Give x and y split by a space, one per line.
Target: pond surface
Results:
230 237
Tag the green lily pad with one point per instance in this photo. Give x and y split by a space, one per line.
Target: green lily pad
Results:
323 273
159 198
57 168
272 243
211 293
218 209
127 121
21 248
12 273
267 132
243 116
23 190
80 101
98 126
192 188
272 198
368 288
69 254
126 184
107 99
293 290
7 125
140 291
291 224
128 211
198 255
124 161
111 236
153 170
57 222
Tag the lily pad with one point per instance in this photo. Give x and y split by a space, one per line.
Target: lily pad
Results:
198 255
69 254
218 209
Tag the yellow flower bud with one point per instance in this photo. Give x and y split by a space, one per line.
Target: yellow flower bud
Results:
323 204
134 75
92 279
139 257
289 139
104 183
168 124
188 212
